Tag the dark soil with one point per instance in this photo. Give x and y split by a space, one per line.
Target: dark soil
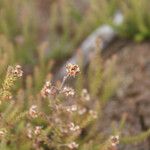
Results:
133 98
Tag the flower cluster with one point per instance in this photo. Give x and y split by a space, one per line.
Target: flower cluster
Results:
33 111
72 69
68 91
13 73
73 127
48 90
37 130
72 108
114 140
72 145
85 95
17 71
31 132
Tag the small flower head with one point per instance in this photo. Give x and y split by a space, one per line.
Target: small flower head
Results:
73 145
68 91
114 140
48 90
37 130
85 95
2 133
17 71
72 69
73 127
33 112
82 111
93 114
72 108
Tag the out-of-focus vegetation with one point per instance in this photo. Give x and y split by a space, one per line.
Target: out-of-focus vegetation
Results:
136 19
59 25
32 33
38 33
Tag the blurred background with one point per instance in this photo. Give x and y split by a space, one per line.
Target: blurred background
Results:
42 35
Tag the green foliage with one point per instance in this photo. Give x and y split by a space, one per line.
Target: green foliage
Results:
136 19
17 22
136 138
64 27
70 22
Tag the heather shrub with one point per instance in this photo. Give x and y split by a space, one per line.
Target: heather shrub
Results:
44 114
38 113
51 115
